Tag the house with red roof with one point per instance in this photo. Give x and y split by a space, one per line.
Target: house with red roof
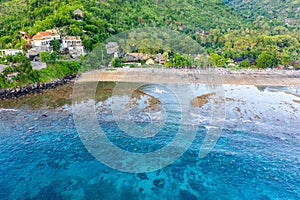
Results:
42 39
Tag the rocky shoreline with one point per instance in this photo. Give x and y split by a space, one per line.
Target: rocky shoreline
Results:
18 91
211 76
197 76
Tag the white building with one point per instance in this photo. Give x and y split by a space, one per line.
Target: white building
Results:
11 52
42 39
71 41
74 46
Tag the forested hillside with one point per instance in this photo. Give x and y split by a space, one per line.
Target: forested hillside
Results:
277 12
109 17
226 28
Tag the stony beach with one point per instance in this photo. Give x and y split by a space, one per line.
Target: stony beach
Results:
161 75
12 93
208 76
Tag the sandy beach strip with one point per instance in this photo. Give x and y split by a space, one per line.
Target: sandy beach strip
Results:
212 76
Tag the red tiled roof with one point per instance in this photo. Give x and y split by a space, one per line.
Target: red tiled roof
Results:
40 35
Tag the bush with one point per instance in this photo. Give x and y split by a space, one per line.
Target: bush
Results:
74 67
8 70
4 82
116 62
53 56
55 44
266 60
35 76
217 60
27 75
245 63
66 68
45 56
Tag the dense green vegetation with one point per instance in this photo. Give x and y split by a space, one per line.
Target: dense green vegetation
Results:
21 73
276 12
266 31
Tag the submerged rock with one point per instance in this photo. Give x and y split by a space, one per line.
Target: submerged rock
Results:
143 176
159 183
186 195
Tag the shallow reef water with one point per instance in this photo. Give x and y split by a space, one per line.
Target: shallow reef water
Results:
256 157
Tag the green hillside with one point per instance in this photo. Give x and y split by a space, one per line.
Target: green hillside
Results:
276 12
106 17
112 16
225 28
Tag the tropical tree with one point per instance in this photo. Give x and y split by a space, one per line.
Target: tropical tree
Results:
116 62
267 60
245 63
56 45
217 60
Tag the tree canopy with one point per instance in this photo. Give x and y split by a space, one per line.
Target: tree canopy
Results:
227 28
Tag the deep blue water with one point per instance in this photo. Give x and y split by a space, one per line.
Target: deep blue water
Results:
43 157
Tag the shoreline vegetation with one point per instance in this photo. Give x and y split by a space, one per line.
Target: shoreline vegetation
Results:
289 78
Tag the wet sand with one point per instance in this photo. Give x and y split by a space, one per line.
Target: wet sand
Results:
63 94
215 76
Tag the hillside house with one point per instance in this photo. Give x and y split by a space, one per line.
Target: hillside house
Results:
9 52
41 41
74 46
79 13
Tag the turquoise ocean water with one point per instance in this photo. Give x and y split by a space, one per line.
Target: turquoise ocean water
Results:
256 157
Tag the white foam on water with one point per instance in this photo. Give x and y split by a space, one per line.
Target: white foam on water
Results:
8 110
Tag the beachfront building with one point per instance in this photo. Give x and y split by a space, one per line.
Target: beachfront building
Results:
9 52
150 61
73 45
41 41
160 59
136 57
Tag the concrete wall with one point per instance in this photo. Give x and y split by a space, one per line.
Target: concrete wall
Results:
38 65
